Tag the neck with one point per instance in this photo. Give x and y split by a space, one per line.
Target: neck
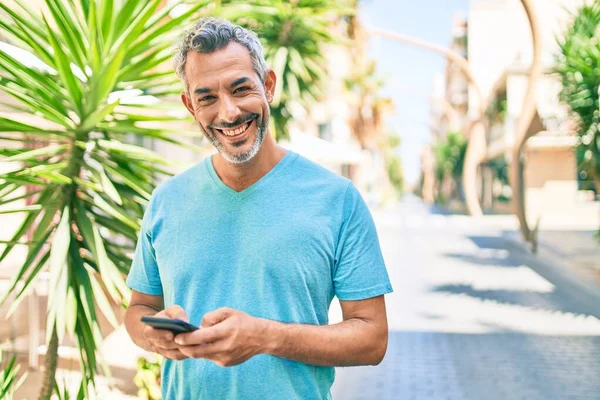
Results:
241 176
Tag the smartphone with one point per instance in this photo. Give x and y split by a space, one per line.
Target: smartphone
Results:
174 325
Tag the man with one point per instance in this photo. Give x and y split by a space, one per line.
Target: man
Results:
252 244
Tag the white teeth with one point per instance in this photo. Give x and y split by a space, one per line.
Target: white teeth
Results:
237 131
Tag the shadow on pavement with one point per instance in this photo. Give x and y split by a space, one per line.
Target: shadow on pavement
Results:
557 299
489 366
485 260
549 301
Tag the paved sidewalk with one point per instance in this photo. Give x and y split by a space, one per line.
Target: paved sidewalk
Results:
475 317
571 248
574 254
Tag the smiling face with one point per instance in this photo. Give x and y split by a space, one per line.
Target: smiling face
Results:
229 101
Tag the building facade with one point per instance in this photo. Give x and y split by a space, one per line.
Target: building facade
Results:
499 50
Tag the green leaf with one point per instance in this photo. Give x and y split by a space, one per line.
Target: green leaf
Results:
279 63
71 310
129 180
114 212
109 188
107 16
297 65
124 19
26 23
57 297
27 283
94 37
33 154
26 224
31 257
29 39
116 226
293 86
106 81
63 66
33 207
30 78
67 26
48 111
157 29
95 117
131 151
136 27
20 197
103 303
147 62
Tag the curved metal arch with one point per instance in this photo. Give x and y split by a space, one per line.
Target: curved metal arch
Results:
476 148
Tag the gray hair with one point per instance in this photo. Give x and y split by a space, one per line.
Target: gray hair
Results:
211 34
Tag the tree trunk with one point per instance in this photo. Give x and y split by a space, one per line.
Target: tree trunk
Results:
50 363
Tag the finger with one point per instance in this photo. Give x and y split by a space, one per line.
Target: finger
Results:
203 335
176 312
209 350
173 354
154 334
165 345
216 316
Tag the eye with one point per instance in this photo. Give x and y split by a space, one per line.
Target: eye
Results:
205 99
241 89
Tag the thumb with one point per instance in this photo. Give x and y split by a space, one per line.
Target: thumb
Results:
176 312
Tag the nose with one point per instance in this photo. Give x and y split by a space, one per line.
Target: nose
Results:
228 110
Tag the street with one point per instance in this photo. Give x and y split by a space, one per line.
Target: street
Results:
471 319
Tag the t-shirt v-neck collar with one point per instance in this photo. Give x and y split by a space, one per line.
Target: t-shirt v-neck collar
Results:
218 183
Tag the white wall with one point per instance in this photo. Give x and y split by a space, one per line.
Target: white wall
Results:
499 36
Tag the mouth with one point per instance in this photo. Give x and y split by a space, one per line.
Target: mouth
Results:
236 133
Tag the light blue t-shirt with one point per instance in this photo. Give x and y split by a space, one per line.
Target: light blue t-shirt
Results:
280 249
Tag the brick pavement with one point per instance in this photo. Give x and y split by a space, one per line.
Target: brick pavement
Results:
472 319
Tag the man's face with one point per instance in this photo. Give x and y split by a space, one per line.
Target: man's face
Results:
229 101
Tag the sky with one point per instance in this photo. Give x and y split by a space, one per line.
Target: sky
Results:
410 71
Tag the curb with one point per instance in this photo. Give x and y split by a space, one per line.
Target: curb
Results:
564 276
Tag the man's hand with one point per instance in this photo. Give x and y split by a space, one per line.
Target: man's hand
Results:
160 340
227 337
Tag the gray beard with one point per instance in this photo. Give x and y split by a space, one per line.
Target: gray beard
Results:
240 158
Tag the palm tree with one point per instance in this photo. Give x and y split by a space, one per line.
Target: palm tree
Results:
369 105
577 64
80 78
293 33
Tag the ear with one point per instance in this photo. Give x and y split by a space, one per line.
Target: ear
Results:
270 82
188 103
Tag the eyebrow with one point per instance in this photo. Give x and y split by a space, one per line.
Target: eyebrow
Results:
239 82
235 83
202 90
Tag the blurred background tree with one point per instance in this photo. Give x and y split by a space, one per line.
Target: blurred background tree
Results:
393 162
369 105
449 159
578 64
293 33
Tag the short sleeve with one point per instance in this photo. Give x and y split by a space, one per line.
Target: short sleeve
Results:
359 270
143 275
